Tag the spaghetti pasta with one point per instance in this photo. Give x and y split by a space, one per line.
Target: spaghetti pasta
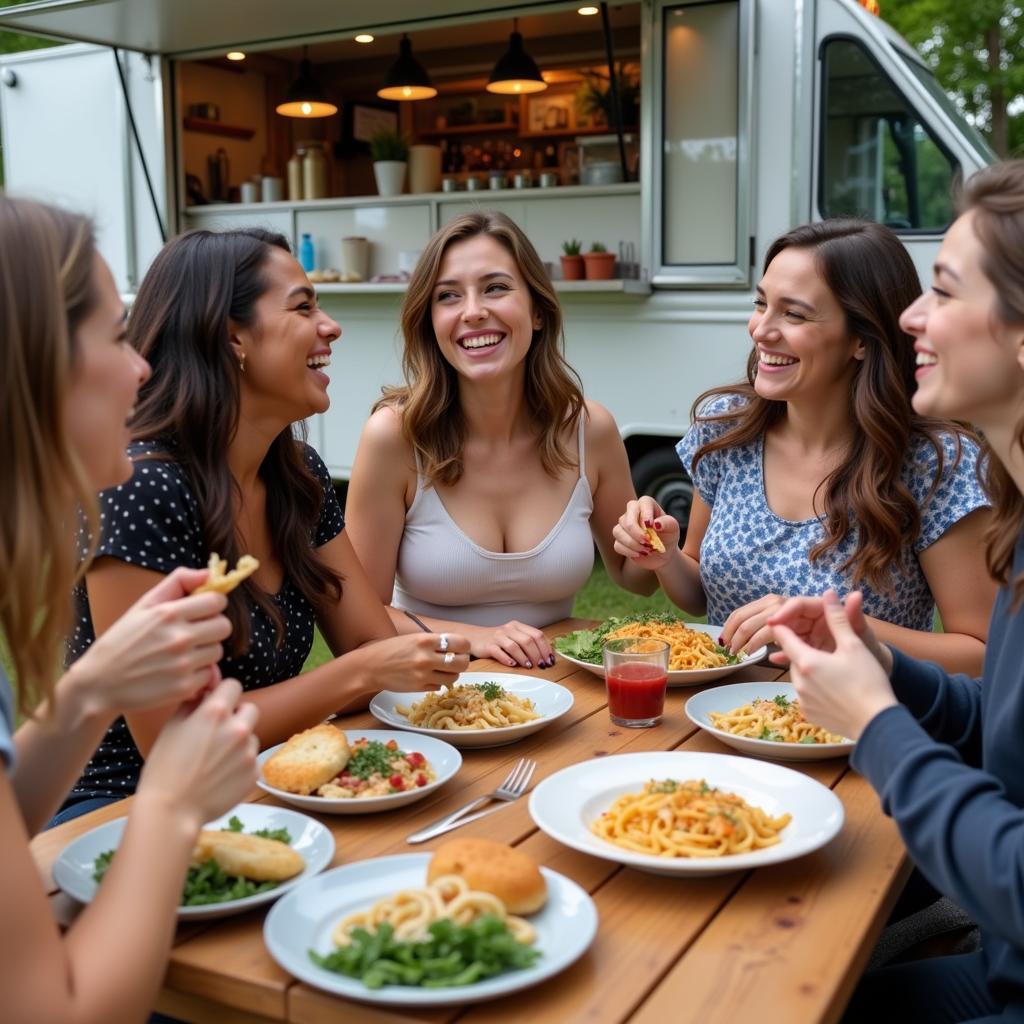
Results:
687 819
479 706
778 720
688 648
411 912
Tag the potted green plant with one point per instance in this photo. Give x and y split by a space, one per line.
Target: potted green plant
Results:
599 263
572 261
390 152
595 96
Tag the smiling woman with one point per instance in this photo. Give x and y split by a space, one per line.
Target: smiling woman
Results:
481 485
239 350
816 472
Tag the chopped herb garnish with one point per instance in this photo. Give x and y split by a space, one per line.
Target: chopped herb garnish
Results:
665 786
372 759
491 691
781 699
807 739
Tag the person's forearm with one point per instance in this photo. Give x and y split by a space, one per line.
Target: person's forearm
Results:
680 579
117 949
955 652
631 576
52 748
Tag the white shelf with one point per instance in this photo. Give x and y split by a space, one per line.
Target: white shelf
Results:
615 287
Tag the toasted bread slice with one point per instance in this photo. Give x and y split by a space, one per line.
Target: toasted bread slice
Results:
262 860
308 760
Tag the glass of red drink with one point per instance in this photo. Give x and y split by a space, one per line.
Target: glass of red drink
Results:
636 674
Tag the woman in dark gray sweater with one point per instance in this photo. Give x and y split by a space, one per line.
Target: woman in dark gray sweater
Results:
945 752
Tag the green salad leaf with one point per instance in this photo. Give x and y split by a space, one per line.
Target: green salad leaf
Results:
453 955
207 882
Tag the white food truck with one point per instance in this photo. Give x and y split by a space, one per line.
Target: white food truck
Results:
754 116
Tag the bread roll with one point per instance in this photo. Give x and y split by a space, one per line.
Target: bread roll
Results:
493 867
253 857
308 760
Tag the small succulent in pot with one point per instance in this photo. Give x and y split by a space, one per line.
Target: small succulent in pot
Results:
599 263
389 145
572 247
572 261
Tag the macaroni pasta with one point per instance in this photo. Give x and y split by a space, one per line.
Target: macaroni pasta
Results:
687 819
688 648
480 706
779 720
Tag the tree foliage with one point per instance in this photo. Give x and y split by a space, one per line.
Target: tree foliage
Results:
976 50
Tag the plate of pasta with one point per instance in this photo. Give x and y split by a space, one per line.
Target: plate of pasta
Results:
686 812
694 657
304 933
373 769
482 709
764 719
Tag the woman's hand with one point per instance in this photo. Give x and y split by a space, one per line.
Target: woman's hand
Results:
806 617
631 539
513 643
749 627
416 661
840 689
163 650
204 760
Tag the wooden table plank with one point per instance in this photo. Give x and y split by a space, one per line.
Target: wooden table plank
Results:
774 952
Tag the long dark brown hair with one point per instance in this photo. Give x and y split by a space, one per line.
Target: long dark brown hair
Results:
432 419
996 198
47 289
198 284
873 279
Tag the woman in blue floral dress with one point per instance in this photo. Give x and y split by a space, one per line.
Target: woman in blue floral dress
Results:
815 472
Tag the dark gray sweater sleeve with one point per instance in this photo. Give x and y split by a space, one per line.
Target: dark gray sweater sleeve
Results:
958 825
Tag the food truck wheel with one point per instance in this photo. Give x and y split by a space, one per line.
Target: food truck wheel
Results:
660 474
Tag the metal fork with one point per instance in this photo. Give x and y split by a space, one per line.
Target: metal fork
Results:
515 785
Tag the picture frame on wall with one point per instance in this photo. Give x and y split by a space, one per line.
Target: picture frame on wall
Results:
360 121
551 113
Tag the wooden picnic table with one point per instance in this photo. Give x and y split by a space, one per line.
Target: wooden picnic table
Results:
784 944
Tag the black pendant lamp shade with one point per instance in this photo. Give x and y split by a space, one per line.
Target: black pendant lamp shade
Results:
516 72
406 79
306 97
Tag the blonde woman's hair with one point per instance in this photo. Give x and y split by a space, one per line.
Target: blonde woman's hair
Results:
46 290
432 418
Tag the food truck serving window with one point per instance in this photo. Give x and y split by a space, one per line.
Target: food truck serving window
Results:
879 160
701 190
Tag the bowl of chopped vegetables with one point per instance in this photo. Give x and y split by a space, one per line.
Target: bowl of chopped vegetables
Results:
208 890
386 769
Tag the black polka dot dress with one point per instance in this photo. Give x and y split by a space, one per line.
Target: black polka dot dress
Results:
153 521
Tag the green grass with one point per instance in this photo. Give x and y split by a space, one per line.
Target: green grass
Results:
599 599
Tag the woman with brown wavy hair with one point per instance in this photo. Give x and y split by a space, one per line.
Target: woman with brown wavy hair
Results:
240 350
816 472
943 751
480 486
67 384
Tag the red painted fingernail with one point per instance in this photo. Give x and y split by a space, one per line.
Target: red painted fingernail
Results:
647 522
657 526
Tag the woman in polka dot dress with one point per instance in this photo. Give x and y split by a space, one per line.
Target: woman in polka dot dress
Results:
68 384
815 472
239 349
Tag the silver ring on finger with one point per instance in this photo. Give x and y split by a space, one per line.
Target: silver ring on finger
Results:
449 658
442 644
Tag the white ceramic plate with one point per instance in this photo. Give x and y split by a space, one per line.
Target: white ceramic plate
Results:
550 701
443 757
73 869
566 926
689 676
725 698
565 804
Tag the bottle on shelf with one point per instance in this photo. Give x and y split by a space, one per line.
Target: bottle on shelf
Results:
307 254
314 172
295 176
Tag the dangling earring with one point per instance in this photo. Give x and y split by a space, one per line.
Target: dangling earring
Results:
241 362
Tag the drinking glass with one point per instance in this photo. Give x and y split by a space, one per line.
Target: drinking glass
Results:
636 674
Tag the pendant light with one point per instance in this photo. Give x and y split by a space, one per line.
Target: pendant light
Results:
305 96
516 72
406 79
